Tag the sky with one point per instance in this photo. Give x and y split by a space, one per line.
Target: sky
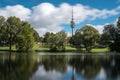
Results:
55 15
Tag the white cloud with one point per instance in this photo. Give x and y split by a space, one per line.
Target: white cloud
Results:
17 10
47 17
98 27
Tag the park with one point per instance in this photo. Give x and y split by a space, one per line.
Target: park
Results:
59 40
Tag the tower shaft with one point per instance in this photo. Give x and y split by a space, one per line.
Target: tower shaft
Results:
72 23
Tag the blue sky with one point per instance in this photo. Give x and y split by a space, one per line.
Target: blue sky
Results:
55 15
108 4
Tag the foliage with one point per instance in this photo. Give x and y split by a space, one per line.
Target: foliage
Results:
56 41
108 34
25 43
47 38
13 31
2 22
71 41
111 36
25 39
36 36
86 37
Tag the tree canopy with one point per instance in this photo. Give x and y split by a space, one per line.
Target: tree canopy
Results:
111 36
14 32
87 37
56 41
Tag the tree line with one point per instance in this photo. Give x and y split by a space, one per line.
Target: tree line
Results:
111 36
18 33
86 37
14 32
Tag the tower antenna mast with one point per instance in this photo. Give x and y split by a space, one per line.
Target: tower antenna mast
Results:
72 23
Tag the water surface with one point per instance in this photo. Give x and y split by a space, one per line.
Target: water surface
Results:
62 66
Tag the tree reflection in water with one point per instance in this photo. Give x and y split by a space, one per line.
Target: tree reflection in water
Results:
55 62
60 67
112 67
87 67
17 67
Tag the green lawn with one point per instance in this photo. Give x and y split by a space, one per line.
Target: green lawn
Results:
68 49
40 48
4 48
100 50
7 48
71 49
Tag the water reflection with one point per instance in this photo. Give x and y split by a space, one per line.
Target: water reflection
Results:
16 67
59 67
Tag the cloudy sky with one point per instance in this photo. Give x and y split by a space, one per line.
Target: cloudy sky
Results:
55 15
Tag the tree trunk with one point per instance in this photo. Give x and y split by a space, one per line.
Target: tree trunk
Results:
10 45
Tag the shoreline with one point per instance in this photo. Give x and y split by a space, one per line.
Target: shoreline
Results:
95 50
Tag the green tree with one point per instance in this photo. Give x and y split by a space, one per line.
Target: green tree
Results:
2 23
47 37
25 39
71 40
87 36
116 44
36 36
62 40
56 41
109 34
11 30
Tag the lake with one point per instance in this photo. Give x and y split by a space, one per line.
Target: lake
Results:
59 66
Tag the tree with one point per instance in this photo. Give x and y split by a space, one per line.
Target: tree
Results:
11 29
25 39
47 38
36 36
117 40
71 40
109 34
61 38
2 22
87 36
115 44
56 41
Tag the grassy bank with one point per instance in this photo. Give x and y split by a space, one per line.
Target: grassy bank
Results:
68 49
100 50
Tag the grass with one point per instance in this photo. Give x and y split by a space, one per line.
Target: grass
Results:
39 48
96 50
7 48
4 48
70 49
